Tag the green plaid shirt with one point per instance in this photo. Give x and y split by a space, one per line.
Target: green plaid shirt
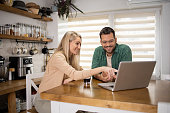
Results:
122 52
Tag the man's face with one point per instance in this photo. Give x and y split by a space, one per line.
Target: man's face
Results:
108 42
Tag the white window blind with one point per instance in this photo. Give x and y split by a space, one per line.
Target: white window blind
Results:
138 31
88 28
134 29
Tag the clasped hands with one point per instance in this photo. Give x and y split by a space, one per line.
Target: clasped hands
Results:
108 74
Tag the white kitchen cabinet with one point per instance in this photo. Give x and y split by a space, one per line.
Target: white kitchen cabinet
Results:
62 107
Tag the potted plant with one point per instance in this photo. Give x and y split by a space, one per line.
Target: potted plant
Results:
64 8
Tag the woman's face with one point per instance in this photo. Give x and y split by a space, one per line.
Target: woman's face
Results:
75 46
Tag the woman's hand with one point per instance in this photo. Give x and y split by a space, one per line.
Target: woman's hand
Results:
67 80
108 74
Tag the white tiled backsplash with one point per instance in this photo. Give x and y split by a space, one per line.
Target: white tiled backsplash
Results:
7 46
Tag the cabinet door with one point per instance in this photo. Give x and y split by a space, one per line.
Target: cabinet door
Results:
61 107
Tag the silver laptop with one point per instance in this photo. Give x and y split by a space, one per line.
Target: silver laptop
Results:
131 75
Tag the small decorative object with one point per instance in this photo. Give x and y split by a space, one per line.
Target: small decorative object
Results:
20 5
64 8
87 82
33 7
45 11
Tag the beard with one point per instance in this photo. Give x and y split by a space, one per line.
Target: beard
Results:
109 49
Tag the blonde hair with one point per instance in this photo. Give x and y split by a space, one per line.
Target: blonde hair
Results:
64 46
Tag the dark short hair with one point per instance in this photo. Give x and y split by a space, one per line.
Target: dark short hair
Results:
107 30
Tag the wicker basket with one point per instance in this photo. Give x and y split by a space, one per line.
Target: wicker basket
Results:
33 10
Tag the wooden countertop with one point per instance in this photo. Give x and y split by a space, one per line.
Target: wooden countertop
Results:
14 85
141 100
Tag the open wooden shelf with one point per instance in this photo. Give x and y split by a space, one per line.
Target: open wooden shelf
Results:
39 39
23 13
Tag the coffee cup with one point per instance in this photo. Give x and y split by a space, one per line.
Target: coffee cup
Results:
45 50
87 82
24 50
33 51
17 50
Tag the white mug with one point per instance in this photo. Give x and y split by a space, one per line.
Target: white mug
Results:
17 50
33 51
24 50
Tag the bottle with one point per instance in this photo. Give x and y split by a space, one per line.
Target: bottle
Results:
14 30
0 29
10 73
3 30
11 29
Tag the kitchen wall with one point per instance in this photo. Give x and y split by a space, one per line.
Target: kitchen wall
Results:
165 40
91 6
7 45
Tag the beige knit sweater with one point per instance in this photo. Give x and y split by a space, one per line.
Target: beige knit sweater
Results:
58 67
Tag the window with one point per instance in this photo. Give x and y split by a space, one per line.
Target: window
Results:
138 30
88 28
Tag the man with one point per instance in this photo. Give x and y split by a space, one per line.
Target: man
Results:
110 53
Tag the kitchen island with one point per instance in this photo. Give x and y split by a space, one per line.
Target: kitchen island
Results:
76 95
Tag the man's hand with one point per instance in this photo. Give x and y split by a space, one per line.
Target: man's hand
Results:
107 75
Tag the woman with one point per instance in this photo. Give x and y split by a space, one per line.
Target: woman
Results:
64 67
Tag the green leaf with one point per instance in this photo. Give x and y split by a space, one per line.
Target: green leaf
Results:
64 8
76 8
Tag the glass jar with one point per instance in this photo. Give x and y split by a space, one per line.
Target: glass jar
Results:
0 29
43 33
11 30
33 31
7 29
25 32
37 32
22 30
17 30
3 30
14 30
31 34
29 30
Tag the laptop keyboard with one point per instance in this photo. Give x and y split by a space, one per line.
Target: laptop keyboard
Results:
108 84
